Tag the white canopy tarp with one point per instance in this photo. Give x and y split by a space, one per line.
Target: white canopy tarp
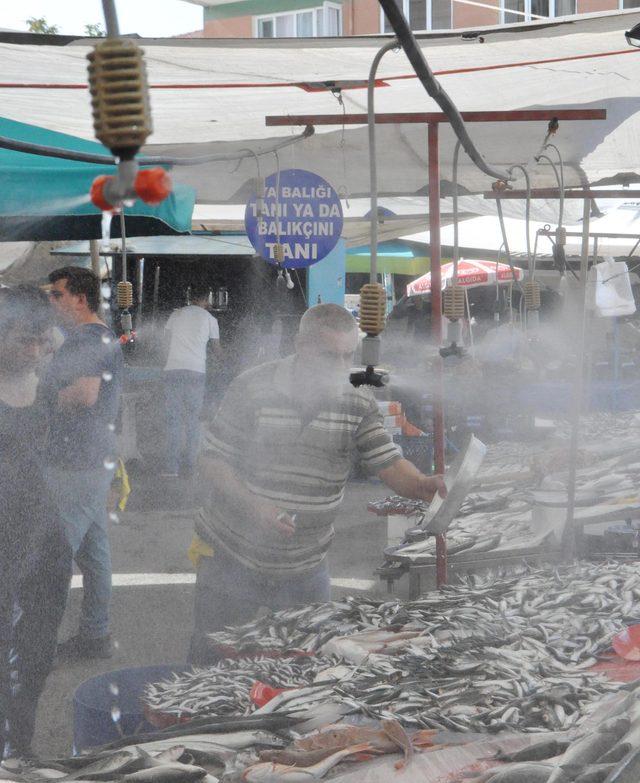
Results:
214 95
483 234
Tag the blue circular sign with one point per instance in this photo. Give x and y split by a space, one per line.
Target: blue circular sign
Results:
301 212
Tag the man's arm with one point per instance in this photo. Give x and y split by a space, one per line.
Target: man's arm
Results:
82 393
225 482
215 349
405 479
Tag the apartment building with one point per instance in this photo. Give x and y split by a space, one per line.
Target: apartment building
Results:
313 18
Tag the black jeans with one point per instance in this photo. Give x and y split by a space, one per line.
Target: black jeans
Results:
227 593
33 595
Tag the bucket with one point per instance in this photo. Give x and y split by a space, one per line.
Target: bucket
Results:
116 694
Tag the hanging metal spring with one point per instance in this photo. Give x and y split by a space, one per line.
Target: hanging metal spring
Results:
453 302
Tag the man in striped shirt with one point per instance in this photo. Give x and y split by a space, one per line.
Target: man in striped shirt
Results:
276 459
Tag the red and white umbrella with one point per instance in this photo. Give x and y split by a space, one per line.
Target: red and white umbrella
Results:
471 274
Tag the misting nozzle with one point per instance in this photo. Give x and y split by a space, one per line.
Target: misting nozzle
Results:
109 192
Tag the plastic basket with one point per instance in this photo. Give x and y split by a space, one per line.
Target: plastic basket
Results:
418 450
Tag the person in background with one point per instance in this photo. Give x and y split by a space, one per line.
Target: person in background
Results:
276 461
83 387
189 332
35 559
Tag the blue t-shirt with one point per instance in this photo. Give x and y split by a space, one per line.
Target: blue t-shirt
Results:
82 438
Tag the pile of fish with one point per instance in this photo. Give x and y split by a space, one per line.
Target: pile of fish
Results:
494 652
517 476
239 749
224 689
606 752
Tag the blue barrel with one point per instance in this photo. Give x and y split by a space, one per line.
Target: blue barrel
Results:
98 702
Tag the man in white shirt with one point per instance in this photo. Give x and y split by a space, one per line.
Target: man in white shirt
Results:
189 331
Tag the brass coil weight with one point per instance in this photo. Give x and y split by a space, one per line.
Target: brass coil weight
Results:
278 253
453 301
124 295
373 307
532 295
119 96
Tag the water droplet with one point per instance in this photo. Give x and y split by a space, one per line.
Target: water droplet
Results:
105 291
111 427
106 230
113 517
114 689
109 464
107 376
115 714
116 645
106 339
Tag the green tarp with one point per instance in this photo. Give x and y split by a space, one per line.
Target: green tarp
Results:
43 198
394 257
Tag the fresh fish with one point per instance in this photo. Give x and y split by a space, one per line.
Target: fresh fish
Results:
396 733
296 758
167 756
524 773
343 736
167 773
628 770
580 754
595 773
105 768
266 772
237 740
546 749
617 753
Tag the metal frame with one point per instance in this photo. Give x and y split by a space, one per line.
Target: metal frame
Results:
429 16
432 120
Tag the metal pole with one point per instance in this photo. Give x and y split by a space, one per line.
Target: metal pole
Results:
156 291
140 286
436 330
572 531
110 18
373 162
94 249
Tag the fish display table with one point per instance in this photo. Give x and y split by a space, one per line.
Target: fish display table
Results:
516 509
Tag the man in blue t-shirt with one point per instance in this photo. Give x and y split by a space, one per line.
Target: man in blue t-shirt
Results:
83 388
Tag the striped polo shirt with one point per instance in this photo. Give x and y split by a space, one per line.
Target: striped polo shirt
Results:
295 459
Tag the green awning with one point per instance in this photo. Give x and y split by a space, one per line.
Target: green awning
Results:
44 198
393 257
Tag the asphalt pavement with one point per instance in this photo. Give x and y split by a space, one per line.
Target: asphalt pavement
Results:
153 588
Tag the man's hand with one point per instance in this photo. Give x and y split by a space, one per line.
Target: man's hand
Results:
404 478
428 486
273 519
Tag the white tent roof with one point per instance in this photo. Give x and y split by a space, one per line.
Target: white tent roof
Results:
483 234
214 95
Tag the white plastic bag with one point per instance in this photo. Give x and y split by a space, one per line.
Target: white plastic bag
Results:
609 291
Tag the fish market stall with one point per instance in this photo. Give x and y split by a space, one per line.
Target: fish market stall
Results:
517 504
508 677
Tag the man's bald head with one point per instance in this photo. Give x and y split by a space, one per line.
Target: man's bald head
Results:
326 317
326 343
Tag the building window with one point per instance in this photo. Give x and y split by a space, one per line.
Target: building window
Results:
422 14
309 23
530 10
629 4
